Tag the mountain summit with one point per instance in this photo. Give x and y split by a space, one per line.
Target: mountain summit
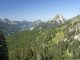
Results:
58 18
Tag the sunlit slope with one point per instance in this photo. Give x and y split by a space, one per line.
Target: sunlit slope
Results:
61 43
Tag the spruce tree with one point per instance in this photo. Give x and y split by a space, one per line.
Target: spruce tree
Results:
3 47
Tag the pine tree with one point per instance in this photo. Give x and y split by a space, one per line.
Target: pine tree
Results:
3 48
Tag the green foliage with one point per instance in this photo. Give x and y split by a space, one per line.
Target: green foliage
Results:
36 44
50 44
3 48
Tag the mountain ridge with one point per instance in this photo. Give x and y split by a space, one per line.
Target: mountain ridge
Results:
60 43
10 27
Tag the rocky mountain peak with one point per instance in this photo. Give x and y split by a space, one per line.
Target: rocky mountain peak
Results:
59 18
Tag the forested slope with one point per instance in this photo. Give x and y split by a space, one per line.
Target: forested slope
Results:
61 43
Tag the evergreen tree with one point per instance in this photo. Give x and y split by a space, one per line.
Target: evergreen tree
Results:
3 48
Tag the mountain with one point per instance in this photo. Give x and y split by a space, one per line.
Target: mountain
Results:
35 24
58 18
60 43
52 23
9 26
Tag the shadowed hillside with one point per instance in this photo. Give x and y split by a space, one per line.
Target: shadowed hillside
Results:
3 48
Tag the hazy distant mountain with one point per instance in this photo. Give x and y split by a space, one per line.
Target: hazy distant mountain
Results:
9 26
36 24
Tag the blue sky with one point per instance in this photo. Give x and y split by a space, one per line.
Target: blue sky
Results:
32 10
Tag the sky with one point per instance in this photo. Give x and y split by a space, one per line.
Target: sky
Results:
32 10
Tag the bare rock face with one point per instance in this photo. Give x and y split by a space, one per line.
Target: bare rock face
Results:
59 18
3 48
